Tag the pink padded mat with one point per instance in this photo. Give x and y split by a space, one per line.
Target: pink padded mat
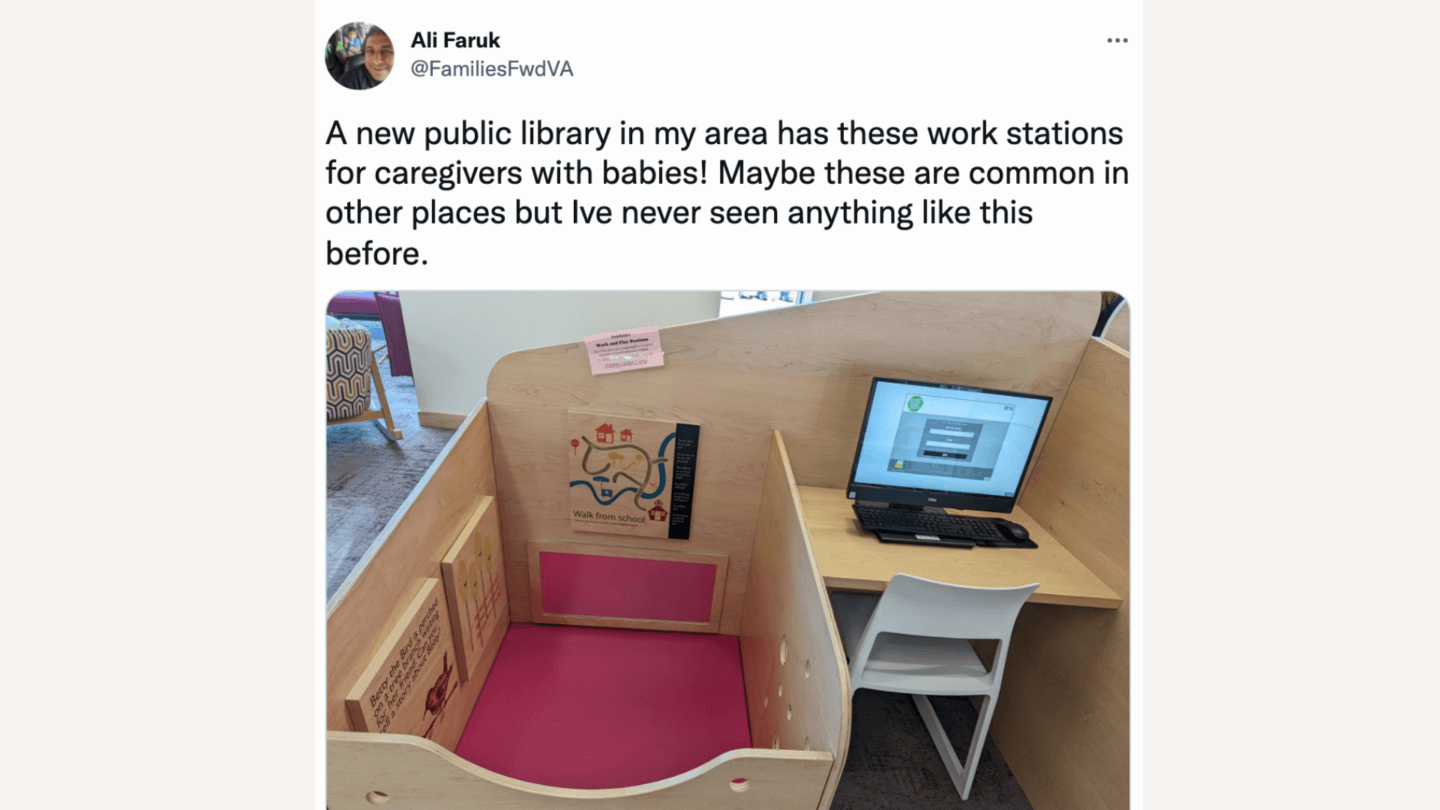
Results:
587 707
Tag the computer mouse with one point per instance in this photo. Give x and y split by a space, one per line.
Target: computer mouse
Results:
1013 529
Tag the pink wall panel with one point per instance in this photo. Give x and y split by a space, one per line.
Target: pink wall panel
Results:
626 588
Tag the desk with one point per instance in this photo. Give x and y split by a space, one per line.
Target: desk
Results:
853 560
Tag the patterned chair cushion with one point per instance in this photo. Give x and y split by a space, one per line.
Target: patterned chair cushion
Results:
347 372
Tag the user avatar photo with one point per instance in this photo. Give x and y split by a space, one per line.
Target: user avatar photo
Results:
359 55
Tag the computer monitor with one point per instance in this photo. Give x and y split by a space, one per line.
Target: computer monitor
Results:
930 444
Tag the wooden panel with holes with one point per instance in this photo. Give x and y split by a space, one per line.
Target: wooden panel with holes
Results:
797 687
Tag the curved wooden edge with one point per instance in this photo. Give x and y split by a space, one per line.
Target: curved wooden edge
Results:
414 772
815 706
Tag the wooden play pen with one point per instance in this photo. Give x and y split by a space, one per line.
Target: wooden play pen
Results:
427 705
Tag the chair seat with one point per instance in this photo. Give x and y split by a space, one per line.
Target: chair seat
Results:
912 664
925 666
916 640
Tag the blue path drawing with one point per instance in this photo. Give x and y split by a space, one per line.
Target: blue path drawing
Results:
597 495
659 487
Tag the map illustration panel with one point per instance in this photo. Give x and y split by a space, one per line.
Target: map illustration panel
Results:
632 476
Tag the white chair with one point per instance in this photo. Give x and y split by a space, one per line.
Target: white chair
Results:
914 639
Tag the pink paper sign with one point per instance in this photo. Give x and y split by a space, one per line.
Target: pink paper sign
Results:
625 351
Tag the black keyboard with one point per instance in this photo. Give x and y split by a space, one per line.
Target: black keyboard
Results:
885 519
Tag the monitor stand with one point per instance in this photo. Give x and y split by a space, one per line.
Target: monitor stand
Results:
904 507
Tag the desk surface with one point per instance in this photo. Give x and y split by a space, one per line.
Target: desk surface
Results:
852 559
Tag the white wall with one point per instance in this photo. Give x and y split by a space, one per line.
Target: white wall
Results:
455 337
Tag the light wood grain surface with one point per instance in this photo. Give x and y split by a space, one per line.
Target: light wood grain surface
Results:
370 602
474 576
804 371
1080 490
415 774
437 419
1063 721
852 559
797 687
409 684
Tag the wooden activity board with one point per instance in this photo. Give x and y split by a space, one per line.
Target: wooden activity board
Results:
632 476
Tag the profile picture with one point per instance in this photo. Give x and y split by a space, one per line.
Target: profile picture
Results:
359 55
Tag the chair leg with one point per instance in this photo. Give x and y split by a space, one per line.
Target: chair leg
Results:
962 775
388 428
982 727
959 774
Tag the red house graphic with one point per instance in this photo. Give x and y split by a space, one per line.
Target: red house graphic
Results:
605 434
625 435
657 512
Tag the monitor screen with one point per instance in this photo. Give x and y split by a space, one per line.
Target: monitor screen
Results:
930 444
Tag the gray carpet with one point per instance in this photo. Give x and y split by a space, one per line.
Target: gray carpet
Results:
367 476
892 762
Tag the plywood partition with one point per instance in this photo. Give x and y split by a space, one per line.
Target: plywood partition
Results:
797 689
1063 720
1081 481
409 552
803 371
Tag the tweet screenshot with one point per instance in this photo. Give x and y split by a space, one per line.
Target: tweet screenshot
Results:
605 516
